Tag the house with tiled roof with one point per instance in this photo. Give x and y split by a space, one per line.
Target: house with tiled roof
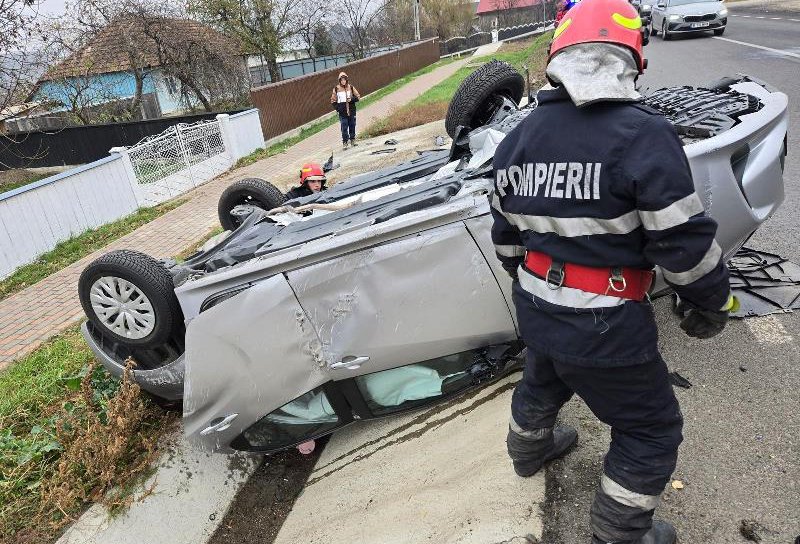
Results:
105 69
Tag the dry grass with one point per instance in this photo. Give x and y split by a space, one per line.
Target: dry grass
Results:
71 435
406 117
432 104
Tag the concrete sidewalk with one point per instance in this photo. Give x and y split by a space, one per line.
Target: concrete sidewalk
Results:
440 475
30 317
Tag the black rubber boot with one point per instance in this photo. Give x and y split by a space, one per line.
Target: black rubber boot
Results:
661 533
530 450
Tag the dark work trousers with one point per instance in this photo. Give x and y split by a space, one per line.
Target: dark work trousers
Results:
639 405
348 125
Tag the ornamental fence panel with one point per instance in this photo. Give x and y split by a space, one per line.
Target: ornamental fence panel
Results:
178 159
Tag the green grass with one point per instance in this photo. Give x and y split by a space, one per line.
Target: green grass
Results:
62 440
36 380
74 249
14 179
369 99
444 91
432 104
194 248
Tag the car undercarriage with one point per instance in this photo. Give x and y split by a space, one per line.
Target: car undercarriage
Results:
312 306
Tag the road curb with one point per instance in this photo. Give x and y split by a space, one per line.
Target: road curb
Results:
191 492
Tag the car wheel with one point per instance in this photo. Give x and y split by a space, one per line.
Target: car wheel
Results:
664 33
251 191
719 31
129 297
653 31
475 100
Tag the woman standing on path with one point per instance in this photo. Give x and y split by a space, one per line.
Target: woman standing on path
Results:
343 99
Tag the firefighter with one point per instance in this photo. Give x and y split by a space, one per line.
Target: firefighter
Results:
592 190
312 180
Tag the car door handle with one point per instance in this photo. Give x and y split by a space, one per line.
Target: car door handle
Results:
351 362
220 425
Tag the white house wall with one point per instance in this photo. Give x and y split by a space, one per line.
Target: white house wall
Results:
168 101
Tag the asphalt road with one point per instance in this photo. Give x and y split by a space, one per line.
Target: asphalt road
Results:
740 459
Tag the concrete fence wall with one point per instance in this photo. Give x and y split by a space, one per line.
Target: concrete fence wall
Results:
36 217
289 104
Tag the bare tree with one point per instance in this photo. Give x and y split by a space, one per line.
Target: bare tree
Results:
362 20
396 22
209 66
18 67
262 26
442 18
144 40
70 35
446 18
311 28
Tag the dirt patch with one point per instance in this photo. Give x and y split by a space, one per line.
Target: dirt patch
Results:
261 506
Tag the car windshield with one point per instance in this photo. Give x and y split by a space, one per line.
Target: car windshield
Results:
684 2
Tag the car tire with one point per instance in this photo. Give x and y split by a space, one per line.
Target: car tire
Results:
719 32
471 105
664 32
653 31
138 285
252 191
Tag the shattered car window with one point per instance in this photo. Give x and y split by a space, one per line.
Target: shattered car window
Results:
305 417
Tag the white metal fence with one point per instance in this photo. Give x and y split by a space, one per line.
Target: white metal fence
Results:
178 159
36 217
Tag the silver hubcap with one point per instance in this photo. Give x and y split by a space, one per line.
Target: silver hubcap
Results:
122 308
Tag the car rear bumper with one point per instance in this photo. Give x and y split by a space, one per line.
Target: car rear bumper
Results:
165 382
684 26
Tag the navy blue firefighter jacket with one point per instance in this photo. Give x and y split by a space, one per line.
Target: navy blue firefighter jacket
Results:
604 185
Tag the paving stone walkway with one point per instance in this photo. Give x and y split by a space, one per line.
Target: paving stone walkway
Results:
30 317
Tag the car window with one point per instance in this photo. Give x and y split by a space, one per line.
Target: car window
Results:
408 386
306 417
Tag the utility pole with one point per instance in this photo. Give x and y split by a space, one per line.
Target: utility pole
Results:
416 20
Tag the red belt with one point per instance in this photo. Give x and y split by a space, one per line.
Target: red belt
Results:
628 283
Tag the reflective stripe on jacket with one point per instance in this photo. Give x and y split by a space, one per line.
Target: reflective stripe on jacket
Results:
604 185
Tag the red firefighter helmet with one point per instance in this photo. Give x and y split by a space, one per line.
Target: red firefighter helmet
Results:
311 171
609 21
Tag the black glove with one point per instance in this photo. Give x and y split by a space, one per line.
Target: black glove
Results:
512 271
704 323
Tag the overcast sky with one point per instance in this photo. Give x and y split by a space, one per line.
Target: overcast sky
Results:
53 8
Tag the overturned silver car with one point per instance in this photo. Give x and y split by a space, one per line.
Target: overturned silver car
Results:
382 293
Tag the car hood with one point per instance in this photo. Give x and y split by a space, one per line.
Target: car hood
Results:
697 8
